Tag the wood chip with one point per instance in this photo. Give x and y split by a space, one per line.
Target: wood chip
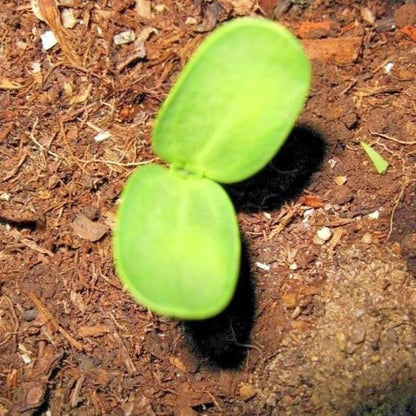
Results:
143 8
311 201
93 331
307 29
409 31
337 50
87 229
29 243
241 7
6 84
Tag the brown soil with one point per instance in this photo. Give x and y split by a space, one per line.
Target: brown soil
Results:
316 328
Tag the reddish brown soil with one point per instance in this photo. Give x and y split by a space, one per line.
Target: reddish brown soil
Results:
316 328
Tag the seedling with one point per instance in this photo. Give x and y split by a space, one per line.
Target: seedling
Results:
379 162
176 240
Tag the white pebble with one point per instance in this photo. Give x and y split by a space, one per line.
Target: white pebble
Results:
26 359
388 67
68 18
124 37
103 135
374 215
324 233
36 67
48 40
263 266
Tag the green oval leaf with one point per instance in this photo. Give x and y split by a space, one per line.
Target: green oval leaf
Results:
176 243
235 102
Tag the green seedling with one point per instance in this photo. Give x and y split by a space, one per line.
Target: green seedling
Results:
176 240
379 162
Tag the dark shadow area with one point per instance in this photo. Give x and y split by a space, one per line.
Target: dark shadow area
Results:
223 340
396 400
285 177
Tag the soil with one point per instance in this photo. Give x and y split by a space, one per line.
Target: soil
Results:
317 326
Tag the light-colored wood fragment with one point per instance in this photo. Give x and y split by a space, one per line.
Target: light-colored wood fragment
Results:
337 50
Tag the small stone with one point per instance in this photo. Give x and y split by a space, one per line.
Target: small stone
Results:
367 238
340 180
375 358
190 21
358 335
26 359
48 40
341 340
247 391
324 233
374 215
21 45
263 266
30 314
160 8
125 37
68 18
388 67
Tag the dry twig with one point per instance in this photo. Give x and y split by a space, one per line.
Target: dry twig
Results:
51 319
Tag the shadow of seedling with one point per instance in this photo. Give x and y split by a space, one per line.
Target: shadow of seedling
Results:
285 177
224 340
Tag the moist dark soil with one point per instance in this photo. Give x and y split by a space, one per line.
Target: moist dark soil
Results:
323 321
